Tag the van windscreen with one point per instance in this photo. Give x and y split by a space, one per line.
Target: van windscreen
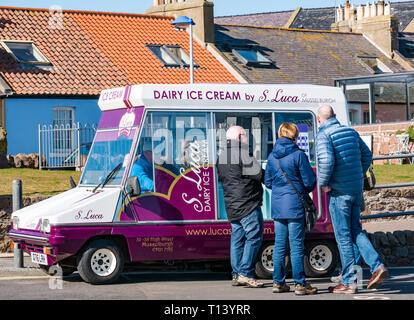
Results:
108 151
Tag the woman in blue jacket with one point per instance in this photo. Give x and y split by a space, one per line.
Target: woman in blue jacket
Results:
287 209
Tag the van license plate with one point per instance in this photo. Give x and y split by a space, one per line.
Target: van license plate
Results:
39 258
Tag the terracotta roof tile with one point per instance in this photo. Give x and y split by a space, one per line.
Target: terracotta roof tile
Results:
95 51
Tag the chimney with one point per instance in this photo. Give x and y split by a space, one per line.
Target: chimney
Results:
201 11
374 21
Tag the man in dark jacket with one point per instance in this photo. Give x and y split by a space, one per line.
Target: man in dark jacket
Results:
343 159
241 176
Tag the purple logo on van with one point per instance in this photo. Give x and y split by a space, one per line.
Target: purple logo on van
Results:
203 182
126 123
90 215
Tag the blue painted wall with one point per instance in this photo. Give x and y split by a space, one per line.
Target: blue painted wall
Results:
23 115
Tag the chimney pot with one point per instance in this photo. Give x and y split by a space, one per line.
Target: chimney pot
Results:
340 14
367 11
373 9
380 8
360 12
347 11
387 9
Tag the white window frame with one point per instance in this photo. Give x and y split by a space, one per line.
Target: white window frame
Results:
59 152
262 60
178 62
2 113
42 59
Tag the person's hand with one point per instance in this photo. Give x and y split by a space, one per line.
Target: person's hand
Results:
160 160
326 189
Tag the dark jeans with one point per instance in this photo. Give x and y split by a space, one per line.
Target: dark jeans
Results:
246 239
345 214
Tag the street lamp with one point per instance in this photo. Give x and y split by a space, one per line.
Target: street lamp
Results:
181 23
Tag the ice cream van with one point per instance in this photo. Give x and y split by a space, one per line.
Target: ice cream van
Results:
149 192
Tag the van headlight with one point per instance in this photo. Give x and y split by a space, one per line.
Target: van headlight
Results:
16 223
45 226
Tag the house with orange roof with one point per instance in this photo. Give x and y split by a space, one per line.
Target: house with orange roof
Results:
54 64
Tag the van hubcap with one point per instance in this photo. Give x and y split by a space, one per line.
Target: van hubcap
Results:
320 258
267 258
103 262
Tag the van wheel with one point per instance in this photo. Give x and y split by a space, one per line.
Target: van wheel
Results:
101 262
321 258
264 264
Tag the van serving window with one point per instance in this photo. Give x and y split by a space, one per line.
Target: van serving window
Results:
306 123
171 55
25 52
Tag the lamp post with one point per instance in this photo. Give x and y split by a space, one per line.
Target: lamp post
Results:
181 23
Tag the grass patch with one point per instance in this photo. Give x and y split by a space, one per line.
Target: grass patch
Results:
36 181
48 182
394 173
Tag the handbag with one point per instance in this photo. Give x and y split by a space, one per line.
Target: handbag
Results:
369 179
311 214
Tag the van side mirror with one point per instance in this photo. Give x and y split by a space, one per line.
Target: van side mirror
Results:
133 186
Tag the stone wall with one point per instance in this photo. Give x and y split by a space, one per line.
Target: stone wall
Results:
388 200
22 160
384 138
395 248
5 217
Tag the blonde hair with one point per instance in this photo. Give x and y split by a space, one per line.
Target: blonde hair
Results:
289 131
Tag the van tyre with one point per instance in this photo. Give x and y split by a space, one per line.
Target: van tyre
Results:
101 262
321 258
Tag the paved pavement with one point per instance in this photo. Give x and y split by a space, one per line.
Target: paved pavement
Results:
31 283
402 223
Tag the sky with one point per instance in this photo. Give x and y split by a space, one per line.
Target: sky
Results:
221 7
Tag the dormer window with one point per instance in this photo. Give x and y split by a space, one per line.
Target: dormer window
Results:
171 55
25 52
251 57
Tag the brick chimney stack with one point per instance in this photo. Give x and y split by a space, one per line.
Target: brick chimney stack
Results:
373 20
201 11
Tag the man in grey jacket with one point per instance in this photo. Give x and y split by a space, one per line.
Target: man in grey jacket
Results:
343 159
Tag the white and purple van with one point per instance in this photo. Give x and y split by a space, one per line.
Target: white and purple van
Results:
149 191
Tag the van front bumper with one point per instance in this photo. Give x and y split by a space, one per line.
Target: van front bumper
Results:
37 242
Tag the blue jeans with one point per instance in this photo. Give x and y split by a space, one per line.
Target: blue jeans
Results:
294 231
345 214
246 239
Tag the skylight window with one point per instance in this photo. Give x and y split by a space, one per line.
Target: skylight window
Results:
171 56
374 64
251 56
25 52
